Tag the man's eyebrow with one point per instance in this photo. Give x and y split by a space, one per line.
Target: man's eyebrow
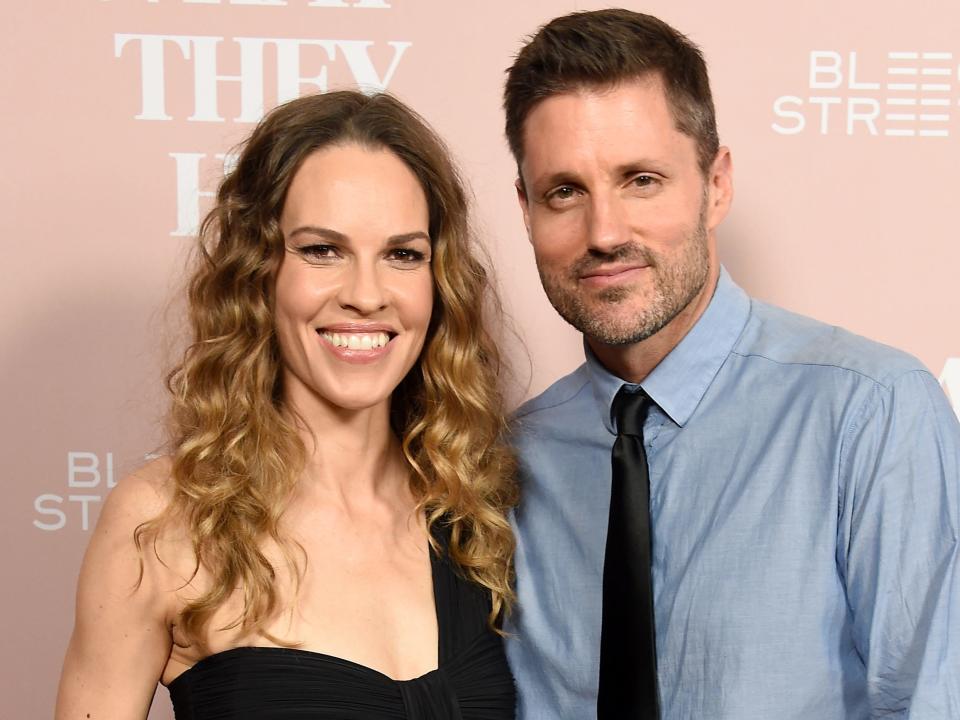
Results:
563 177
339 237
641 164
568 177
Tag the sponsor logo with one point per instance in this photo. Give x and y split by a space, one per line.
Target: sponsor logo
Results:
204 53
913 94
88 479
268 70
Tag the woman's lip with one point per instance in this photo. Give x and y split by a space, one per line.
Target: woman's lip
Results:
613 276
355 356
358 328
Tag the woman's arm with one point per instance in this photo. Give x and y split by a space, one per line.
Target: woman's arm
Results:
121 638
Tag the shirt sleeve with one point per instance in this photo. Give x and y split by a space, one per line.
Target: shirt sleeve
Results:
898 550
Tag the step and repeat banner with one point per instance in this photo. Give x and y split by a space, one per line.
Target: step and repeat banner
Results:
119 117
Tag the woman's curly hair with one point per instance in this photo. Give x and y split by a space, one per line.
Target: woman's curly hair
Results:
236 453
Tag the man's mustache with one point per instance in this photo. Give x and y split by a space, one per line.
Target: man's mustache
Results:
627 253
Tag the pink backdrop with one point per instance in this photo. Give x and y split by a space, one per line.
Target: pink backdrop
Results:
844 121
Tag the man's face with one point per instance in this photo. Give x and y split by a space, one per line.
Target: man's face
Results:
618 211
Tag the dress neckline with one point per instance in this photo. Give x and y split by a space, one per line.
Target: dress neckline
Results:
437 565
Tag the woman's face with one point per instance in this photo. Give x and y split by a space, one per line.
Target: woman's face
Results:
354 290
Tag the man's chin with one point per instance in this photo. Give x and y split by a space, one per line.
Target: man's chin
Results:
621 337
619 331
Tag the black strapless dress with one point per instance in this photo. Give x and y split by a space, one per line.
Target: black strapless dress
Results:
472 682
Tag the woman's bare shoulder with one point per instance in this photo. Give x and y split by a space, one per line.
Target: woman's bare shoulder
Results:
145 492
134 522
125 602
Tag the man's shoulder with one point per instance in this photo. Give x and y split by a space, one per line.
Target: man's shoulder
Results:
556 398
563 419
780 336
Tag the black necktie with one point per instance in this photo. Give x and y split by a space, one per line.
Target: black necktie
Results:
628 654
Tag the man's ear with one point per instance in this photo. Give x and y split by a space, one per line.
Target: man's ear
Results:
524 204
719 188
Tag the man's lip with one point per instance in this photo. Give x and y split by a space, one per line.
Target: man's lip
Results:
612 271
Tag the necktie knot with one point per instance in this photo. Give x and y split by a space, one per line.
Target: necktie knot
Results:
630 407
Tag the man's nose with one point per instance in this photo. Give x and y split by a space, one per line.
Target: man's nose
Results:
362 289
607 225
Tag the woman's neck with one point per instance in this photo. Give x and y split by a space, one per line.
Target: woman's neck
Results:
352 456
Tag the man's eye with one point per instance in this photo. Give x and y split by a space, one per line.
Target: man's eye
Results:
562 195
644 181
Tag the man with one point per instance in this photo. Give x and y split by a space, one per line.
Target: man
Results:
803 482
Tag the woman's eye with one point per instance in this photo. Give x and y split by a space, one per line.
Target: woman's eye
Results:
407 255
318 252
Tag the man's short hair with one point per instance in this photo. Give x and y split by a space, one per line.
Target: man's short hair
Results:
601 48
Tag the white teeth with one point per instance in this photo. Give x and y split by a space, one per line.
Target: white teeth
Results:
357 341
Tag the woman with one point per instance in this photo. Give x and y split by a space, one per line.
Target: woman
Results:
327 537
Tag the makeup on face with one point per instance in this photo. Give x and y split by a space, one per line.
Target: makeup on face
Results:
355 289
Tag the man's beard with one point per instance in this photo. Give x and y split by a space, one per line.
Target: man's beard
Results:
675 283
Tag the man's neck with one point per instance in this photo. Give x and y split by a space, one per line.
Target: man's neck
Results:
636 361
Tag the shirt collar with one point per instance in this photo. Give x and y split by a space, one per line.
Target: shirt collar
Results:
681 379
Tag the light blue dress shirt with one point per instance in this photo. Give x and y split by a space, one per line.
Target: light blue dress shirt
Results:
804 506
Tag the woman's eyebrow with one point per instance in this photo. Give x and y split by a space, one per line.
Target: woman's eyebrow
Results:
407 237
325 233
339 237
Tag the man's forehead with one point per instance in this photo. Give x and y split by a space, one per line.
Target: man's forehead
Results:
636 104
613 121
653 81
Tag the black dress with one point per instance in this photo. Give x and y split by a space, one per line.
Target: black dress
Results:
472 682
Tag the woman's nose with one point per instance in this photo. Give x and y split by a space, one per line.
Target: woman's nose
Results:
362 289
